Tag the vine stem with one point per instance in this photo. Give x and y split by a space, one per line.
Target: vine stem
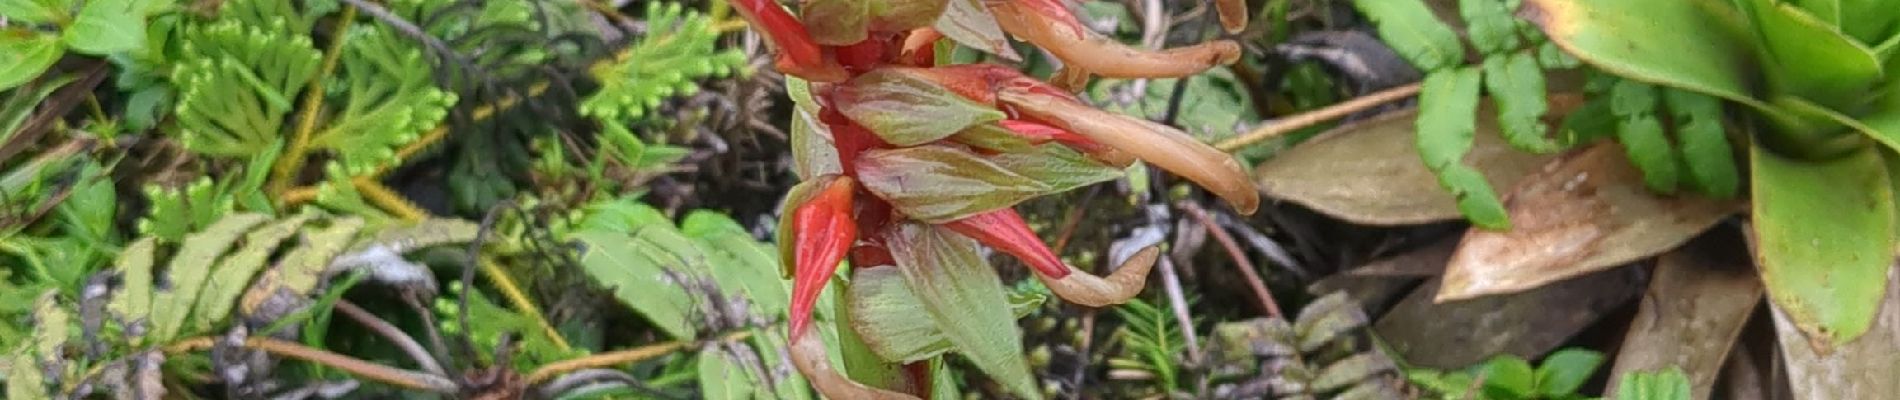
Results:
1315 117
312 104
378 372
620 357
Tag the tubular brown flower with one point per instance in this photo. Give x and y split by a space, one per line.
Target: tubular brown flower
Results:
1054 29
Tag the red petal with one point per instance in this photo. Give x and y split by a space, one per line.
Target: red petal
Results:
1039 133
1005 230
825 232
799 54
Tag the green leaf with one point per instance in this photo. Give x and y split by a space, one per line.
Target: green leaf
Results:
939 184
237 85
1809 58
1489 25
133 302
34 11
721 377
1642 135
1058 166
1869 21
970 23
1508 377
390 100
52 327
106 26
892 321
1826 11
845 21
235 271
961 292
24 381
1564 371
24 55
739 262
638 280
1687 44
679 48
1824 239
908 110
1705 148
1446 123
1668 384
1516 85
1411 29
191 267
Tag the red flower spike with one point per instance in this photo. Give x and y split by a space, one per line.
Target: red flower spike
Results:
826 231
1005 230
799 54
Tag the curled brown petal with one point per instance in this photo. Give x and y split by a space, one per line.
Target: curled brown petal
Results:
1165 147
1233 14
809 355
1081 288
1104 56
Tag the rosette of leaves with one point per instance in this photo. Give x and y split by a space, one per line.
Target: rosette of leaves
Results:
1324 353
1815 96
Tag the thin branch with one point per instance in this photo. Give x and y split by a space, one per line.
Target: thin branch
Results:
602 360
368 370
1308 119
1246 267
389 331
294 157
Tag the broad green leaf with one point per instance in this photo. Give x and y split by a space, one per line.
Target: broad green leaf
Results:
1642 135
1447 124
892 321
1489 25
1826 11
1516 85
191 267
34 11
622 216
721 377
1824 239
106 26
961 292
1705 148
939 184
970 23
1563 372
1508 377
908 110
1869 21
1809 58
1669 384
739 262
1411 29
24 55
133 302
1688 44
234 272
845 21
637 280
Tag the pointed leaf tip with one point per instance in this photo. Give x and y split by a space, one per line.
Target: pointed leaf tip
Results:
825 230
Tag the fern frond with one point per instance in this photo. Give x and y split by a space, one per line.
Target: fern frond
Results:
241 83
175 212
677 50
389 101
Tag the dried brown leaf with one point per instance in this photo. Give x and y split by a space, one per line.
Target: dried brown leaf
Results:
1527 324
1691 317
1860 369
1585 212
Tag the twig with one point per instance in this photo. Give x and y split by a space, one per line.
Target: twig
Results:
389 331
1315 117
294 156
1171 284
373 371
619 357
1246 267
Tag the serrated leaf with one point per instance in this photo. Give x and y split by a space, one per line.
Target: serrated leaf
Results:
1448 104
133 301
637 280
24 56
1564 371
1489 26
970 23
1516 85
961 292
1824 239
908 110
235 271
1412 30
191 267
1642 135
106 26
1704 145
938 184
